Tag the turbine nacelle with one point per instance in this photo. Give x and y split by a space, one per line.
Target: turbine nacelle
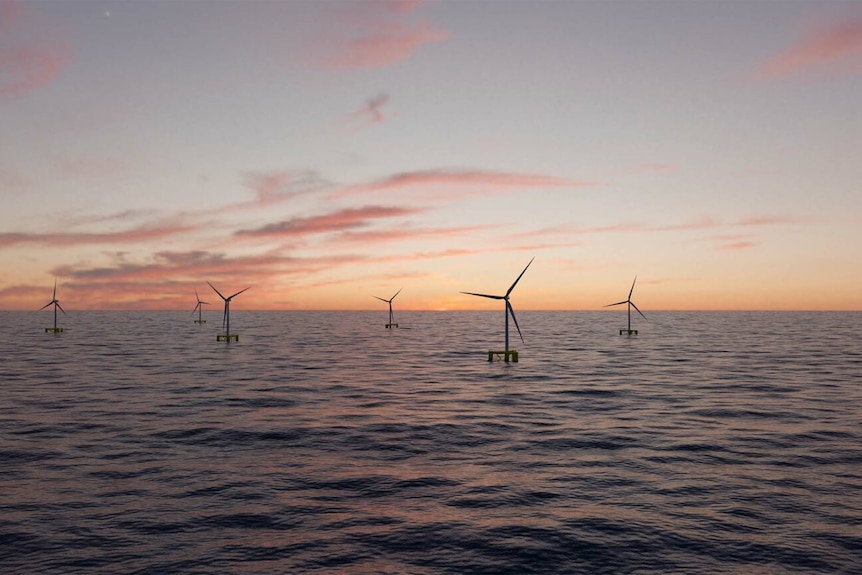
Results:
200 302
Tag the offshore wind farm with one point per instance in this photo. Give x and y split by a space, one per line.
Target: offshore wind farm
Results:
315 155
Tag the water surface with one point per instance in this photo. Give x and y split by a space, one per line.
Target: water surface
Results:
323 443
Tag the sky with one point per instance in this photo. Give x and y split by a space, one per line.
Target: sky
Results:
324 153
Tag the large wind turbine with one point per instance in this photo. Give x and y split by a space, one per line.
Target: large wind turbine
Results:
507 311
226 318
631 304
56 303
389 301
199 308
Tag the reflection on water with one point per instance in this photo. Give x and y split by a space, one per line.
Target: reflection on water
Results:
325 443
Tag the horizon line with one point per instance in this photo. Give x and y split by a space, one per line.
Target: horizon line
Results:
178 310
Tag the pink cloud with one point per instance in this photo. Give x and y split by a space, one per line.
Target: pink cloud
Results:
371 111
837 49
708 222
277 186
375 35
170 266
463 182
31 55
701 223
741 245
271 188
406 233
345 219
704 222
771 221
67 239
459 252
166 280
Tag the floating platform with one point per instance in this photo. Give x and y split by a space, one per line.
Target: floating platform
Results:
510 355
200 321
53 330
628 332
391 325
228 337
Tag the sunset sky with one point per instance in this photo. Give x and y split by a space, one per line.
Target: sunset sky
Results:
323 153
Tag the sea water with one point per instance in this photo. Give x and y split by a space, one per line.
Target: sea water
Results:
322 442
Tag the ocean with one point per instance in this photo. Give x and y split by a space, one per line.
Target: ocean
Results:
322 442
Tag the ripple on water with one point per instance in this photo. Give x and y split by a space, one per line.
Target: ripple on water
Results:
710 443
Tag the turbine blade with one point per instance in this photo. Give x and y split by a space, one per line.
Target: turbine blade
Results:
639 311
218 292
55 289
518 279
633 287
237 293
196 307
197 297
484 295
46 305
396 293
512 313
618 303
380 298
61 309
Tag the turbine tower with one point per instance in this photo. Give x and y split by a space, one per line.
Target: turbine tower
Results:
227 335
199 308
391 323
56 303
631 304
507 311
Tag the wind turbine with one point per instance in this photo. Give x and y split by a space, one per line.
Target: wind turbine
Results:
389 301
56 303
631 304
199 308
227 336
507 311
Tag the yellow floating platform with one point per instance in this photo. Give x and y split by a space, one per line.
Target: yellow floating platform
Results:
53 330
391 325
511 355
228 337
200 321
628 331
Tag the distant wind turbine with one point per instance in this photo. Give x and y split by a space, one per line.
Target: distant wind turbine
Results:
507 311
631 304
389 301
56 303
226 318
199 308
